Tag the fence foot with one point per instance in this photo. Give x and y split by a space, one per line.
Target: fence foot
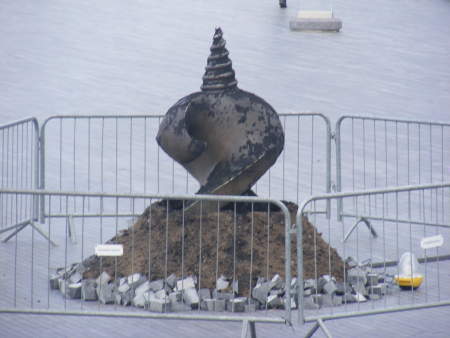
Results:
71 229
367 223
19 227
246 327
319 324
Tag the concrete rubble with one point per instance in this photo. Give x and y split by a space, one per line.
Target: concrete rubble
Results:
174 294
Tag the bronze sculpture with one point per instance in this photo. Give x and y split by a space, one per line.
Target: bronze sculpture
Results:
225 137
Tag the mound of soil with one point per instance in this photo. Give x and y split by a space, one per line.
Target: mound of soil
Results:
165 239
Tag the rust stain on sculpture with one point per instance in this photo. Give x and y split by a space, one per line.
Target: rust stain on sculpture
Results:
225 137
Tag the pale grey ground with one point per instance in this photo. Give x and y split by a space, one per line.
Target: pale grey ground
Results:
391 59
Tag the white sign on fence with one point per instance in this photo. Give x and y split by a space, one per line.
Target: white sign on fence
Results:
113 250
432 242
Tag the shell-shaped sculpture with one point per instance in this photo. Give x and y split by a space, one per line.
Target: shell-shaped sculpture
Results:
225 137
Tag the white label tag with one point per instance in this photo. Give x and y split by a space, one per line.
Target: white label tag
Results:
432 242
109 250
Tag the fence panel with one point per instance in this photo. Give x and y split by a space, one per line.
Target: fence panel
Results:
18 170
120 154
203 237
378 227
374 153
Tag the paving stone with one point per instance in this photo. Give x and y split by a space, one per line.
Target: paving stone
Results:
54 282
250 307
179 307
190 297
330 287
260 292
309 304
374 296
219 305
317 299
204 304
293 303
74 290
187 283
372 279
342 288
356 276
222 295
204 294
157 285
88 289
237 304
105 293
159 305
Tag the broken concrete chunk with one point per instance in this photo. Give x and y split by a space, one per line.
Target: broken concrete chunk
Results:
141 289
88 289
273 301
76 277
351 262
359 298
190 297
222 283
317 299
208 304
135 280
276 282
171 280
186 283
124 287
204 293
222 295
104 278
156 285
127 297
175 297
342 288
105 293
161 294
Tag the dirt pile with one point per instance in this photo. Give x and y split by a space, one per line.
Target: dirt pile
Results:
165 239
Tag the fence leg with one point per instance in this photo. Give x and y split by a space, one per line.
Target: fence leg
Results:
19 227
367 223
248 326
317 325
72 234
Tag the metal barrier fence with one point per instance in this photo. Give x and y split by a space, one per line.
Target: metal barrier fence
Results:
380 226
243 238
18 170
118 153
374 153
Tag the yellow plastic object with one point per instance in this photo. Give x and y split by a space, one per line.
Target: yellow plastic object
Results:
408 272
408 282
